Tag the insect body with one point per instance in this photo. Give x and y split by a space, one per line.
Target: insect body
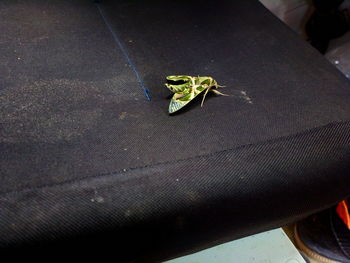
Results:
186 88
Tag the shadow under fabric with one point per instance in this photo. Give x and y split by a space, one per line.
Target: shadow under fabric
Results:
89 166
327 22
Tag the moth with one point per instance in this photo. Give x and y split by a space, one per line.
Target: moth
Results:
186 88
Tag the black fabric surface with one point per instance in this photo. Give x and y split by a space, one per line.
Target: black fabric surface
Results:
86 157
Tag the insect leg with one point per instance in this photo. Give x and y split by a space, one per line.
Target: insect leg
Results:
205 94
219 93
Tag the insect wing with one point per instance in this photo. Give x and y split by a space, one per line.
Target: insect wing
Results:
177 88
175 105
178 101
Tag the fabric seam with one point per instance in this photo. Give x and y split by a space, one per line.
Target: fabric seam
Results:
124 170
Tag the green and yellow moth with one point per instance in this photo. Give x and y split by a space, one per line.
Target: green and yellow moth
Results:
186 88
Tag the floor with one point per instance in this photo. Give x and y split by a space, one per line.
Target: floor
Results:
270 246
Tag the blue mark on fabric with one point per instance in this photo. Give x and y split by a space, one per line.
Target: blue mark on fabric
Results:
125 53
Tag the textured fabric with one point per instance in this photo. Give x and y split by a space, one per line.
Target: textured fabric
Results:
85 156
